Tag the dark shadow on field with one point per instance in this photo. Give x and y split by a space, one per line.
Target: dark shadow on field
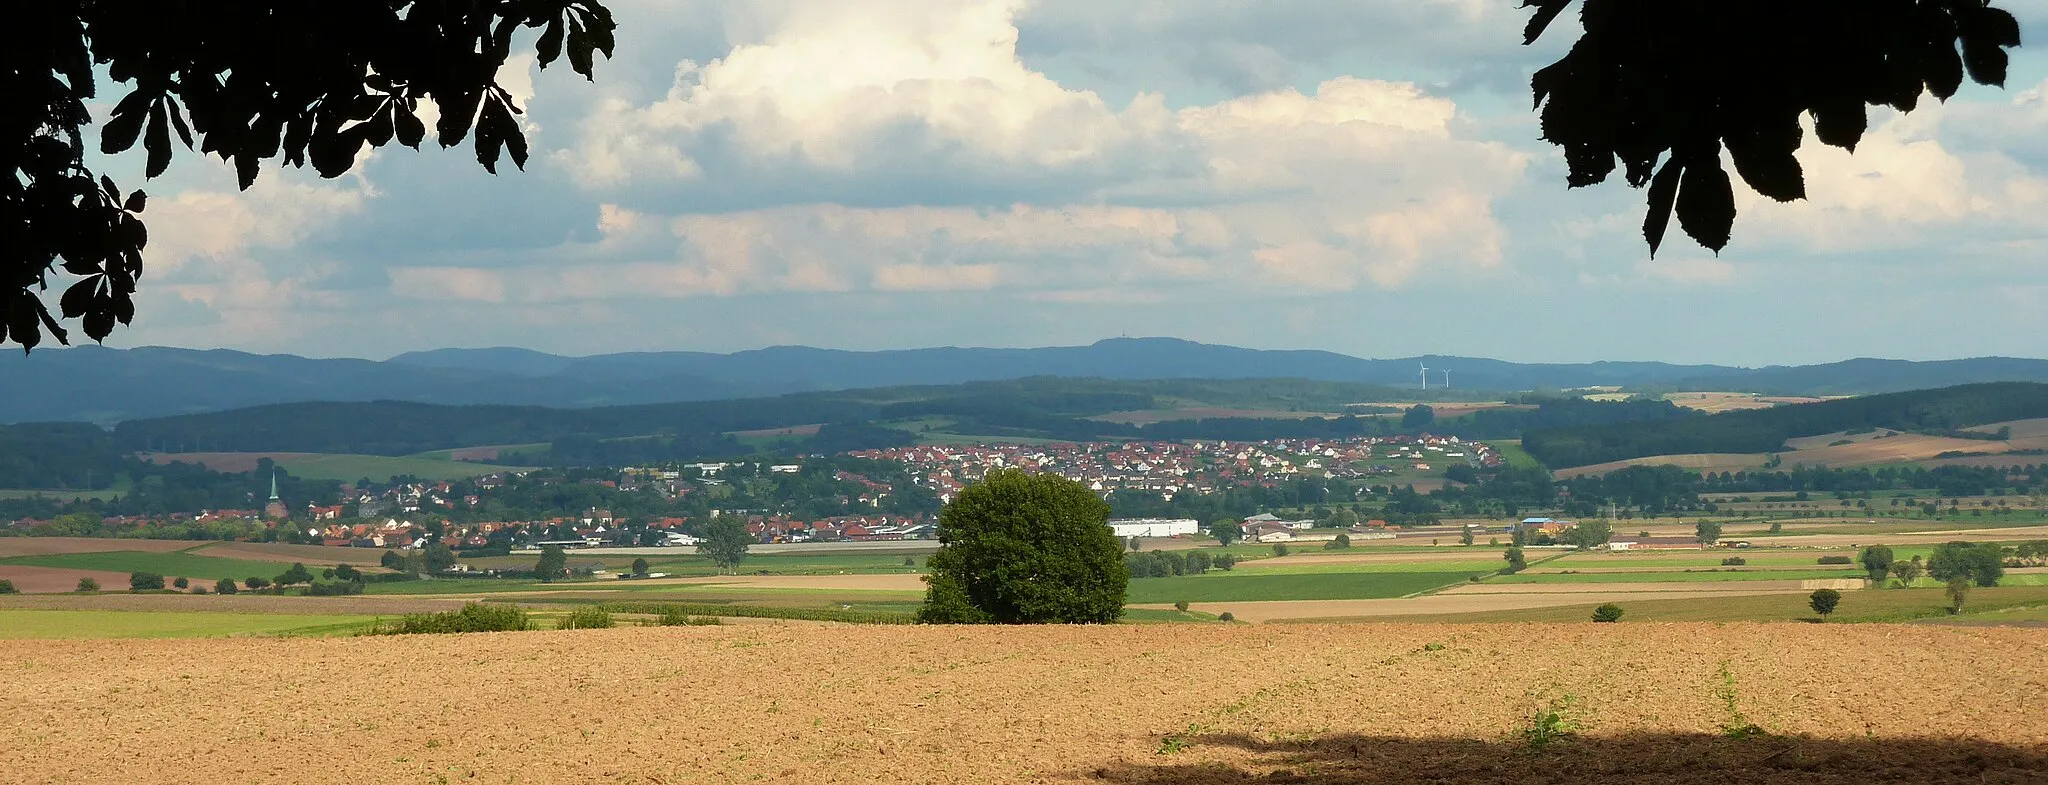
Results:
1675 758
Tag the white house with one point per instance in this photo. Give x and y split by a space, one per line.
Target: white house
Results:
679 538
1154 527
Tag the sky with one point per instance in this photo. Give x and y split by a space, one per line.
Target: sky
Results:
1363 177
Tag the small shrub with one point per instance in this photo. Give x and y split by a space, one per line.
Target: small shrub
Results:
1181 606
256 583
674 617
1823 602
586 619
181 583
1735 726
88 585
7 587
474 617
1607 613
1227 616
145 581
225 586
1280 549
1734 561
1224 561
200 589
910 561
1553 723
1836 560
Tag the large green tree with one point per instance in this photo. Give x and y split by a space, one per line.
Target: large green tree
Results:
725 541
248 81
1877 560
1023 548
1980 563
1668 88
554 563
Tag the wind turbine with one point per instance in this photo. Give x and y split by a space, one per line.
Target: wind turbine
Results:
1447 380
1425 376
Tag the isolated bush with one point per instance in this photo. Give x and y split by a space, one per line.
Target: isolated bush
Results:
1280 549
7 587
553 564
391 560
1906 571
1707 532
145 581
1516 562
225 586
88 584
334 588
910 561
255 582
180 583
1823 602
1607 613
1024 548
296 575
1341 542
1181 605
1198 562
677 617
586 619
1227 616
1877 561
1836 560
639 566
1734 561
473 617
347 572
200 589
1224 561
1958 591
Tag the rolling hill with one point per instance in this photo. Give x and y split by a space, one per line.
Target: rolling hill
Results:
100 385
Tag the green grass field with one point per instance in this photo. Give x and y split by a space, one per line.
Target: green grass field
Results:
169 565
1354 568
449 455
1243 587
1872 605
40 624
1512 452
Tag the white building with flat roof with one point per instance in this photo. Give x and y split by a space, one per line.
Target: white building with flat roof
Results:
1154 527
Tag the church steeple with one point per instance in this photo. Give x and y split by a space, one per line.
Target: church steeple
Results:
275 509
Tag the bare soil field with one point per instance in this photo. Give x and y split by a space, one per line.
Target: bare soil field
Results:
1717 402
312 555
1377 703
36 580
2021 429
1446 602
899 582
1705 462
45 546
237 603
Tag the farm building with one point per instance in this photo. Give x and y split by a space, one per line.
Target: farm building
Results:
1154 527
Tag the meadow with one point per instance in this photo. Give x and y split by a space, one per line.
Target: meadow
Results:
91 624
170 565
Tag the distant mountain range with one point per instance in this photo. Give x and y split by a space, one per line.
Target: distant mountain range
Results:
110 385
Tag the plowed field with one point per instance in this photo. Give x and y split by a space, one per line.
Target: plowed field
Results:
1146 704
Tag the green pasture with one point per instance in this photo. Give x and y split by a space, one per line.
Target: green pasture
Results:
1869 605
69 624
1478 565
449 455
692 565
169 565
1245 587
1512 452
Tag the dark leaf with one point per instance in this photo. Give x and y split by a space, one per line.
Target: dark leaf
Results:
246 168
457 112
23 317
1944 72
157 140
136 201
1841 124
1706 204
490 134
1767 163
379 127
1995 26
57 331
581 44
99 324
1987 62
178 121
80 297
1546 12
1663 192
409 128
550 44
126 123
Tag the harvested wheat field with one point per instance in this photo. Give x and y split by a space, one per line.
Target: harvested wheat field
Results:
1144 704
47 546
1448 602
38 580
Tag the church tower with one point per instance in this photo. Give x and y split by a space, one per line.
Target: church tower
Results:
275 509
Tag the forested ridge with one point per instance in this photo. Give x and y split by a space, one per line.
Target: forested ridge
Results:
1943 410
